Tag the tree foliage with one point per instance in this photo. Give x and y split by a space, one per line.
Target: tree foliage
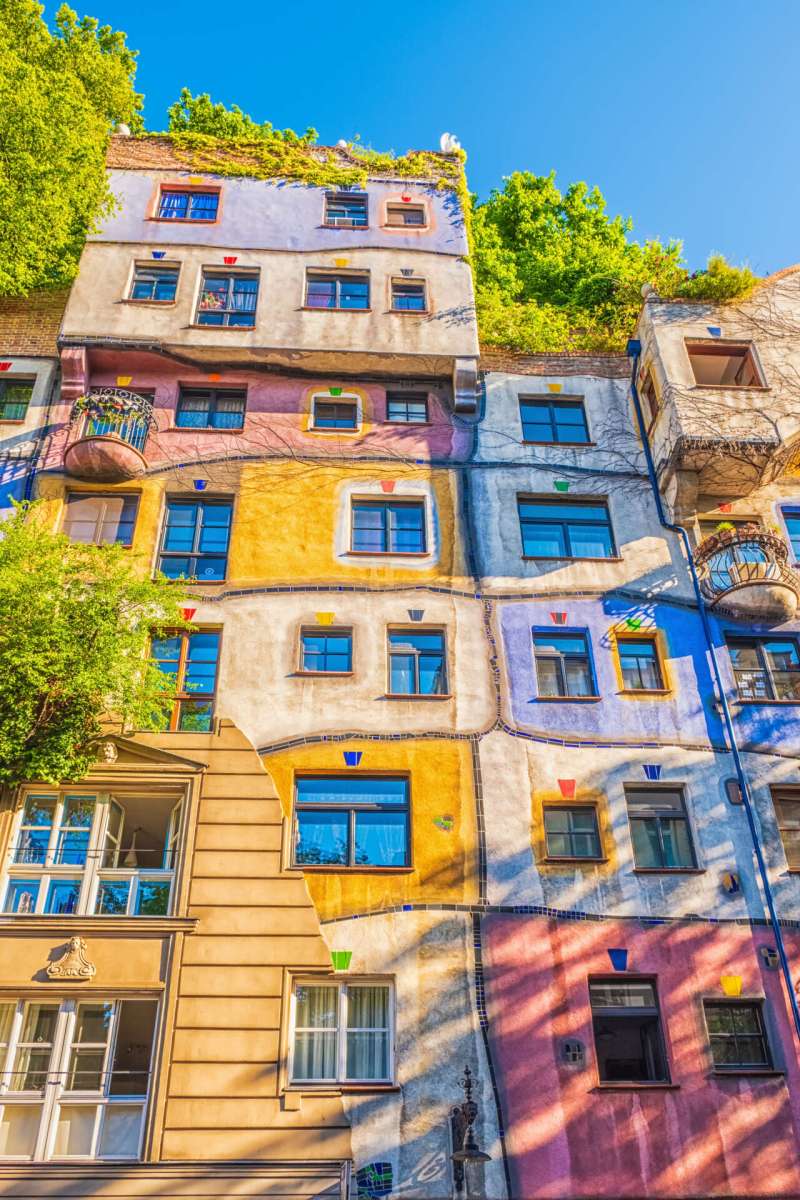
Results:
555 272
60 94
75 623
199 114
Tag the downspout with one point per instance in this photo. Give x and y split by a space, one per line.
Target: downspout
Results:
634 350
42 433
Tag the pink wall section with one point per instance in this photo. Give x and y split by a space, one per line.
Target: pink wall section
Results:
275 419
567 1138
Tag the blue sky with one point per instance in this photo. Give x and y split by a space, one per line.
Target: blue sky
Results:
684 112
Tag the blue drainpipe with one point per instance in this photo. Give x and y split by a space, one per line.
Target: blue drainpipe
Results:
634 350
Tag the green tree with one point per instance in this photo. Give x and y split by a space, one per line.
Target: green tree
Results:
199 114
555 272
75 623
60 94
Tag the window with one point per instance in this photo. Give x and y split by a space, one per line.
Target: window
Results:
791 519
76 1075
565 528
659 829
563 665
336 291
346 209
410 408
737 1035
335 414
627 1032
189 660
765 668
544 421
724 364
572 832
417 662
156 284
210 408
100 520
75 853
406 215
351 821
326 651
787 814
342 1033
15 396
388 527
640 664
195 540
649 395
228 300
408 297
188 206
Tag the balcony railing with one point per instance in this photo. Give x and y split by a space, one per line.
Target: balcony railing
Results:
745 572
109 431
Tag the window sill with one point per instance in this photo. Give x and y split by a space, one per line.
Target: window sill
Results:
730 387
776 703
338 432
227 328
614 558
333 869
640 693
567 699
190 582
156 303
406 228
635 1087
314 308
182 221
348 228
389 553
198 429
13 923
417 696
321 674
669 870
409 312
12 420
336 1089
411 424
572 862
748 1072
557 445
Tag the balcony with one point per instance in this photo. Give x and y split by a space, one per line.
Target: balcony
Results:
744 574
108 435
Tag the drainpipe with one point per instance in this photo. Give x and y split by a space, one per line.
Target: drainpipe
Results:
634 351
41 434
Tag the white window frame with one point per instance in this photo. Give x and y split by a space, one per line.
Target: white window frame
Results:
53 1095
326 398
343 984
91 873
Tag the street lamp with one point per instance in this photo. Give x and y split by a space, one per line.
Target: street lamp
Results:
462 1119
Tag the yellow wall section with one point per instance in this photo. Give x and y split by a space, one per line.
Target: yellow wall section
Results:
444 863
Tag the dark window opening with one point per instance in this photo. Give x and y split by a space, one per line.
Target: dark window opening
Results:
407 407
724 364
15 396
335 415
346 210
765 668
572 832
627 1032
640 665
737 1035
659 828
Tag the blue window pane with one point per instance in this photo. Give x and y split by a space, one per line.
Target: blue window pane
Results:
177 568
358 789
210 570
402 681
791 517
21 896
203 205
181 521
590 541
174 204
112 897
381 838
62 897
408 297
354 294
431 674
321 838
555 510
327 652
32 846
195 716
39 810
560 643
321 293
544 541
152 898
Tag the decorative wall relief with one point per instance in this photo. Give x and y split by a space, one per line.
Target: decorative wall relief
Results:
73 964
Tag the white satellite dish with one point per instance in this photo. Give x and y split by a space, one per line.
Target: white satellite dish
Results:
449 143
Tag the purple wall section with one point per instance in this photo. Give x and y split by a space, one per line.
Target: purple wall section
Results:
273 215
706 1135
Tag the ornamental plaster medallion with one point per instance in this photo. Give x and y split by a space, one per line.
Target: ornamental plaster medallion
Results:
74 964
109 752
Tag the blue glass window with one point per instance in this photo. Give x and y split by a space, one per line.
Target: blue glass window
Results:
228 300
791 517
351 821
188 206
562 421
659 828
76 825
62 896
15 396
195 541
408 408
152 898
336 291
346 210
640 665
35 830
388 527
563 665
190 662
112 897
21 896
210 408
765 668
408 297
565 528
327 652
156 284
417 663
328 415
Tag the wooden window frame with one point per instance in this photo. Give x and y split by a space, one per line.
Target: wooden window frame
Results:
341 1081
351 808
565 522
316 273
194 554
103 497
334 197
740 1068
324 631
7 381
215 394
188 190
619 1013
406 398
400 206
552 403
411 631
659 816
396 282
180 695
653 638
405 502
758 642
572 858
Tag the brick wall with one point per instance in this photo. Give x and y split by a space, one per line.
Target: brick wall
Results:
29 326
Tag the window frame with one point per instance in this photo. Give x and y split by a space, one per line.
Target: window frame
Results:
55 1095
406 206
7 381
91 873
757 1004
215 394
561 659
766 669
195 553
576 501
618 1012
341 1081
779 796
675 789
653 639
791 512
338 197
351 808
420 503
188 190
399 282
406 398
705 347
549 856
441 630
181 696
232 275
104 497
552 403
648 392
324 631
155 269
337 276
350 399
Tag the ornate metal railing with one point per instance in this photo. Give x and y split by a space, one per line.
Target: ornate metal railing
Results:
114 412
735 558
